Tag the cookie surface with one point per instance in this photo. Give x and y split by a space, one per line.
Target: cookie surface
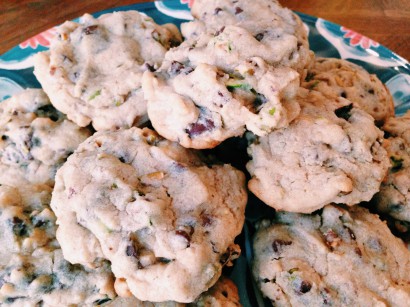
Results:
35 139
93 69
336 257
153 209
32 268
246 29
340 78
201 106
394 196
223 294
330 153
231 73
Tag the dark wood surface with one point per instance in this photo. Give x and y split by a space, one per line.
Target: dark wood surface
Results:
385 21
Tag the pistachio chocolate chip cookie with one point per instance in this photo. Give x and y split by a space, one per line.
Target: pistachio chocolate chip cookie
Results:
331 152
44 278
93 69
33 271
336 257
341 78
238 30
394 196
201 106
35 139
153 209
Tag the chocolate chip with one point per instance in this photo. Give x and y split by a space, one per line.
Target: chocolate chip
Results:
206 219
343 94
90 29
344 112
163 260
305 287
174 43
48 111
200 127
149 67
371 91
278 244
309 76
4 137
19 227
259 101
259 36
131 251
219 31
217 10
122 159
71 192
177 68
238 10
185 235
358 251
102 301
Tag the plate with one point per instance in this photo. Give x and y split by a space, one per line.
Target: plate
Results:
326 39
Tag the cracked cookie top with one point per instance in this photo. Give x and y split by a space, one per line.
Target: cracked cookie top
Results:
152 208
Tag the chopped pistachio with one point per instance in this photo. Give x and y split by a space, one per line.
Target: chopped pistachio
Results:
114 186
309 76
272 111
313 85
243 86
96 93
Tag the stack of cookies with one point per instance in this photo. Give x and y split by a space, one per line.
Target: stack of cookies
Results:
113 190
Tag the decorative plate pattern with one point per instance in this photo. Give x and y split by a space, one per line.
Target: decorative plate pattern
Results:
326 39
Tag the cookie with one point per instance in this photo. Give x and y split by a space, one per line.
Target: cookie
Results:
331 152
341 78
26 220
45 278
35 140
394 196
223 294
33 271
336 257
153 209
201 106
93 69
247 29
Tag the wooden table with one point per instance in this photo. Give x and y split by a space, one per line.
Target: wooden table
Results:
386 21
